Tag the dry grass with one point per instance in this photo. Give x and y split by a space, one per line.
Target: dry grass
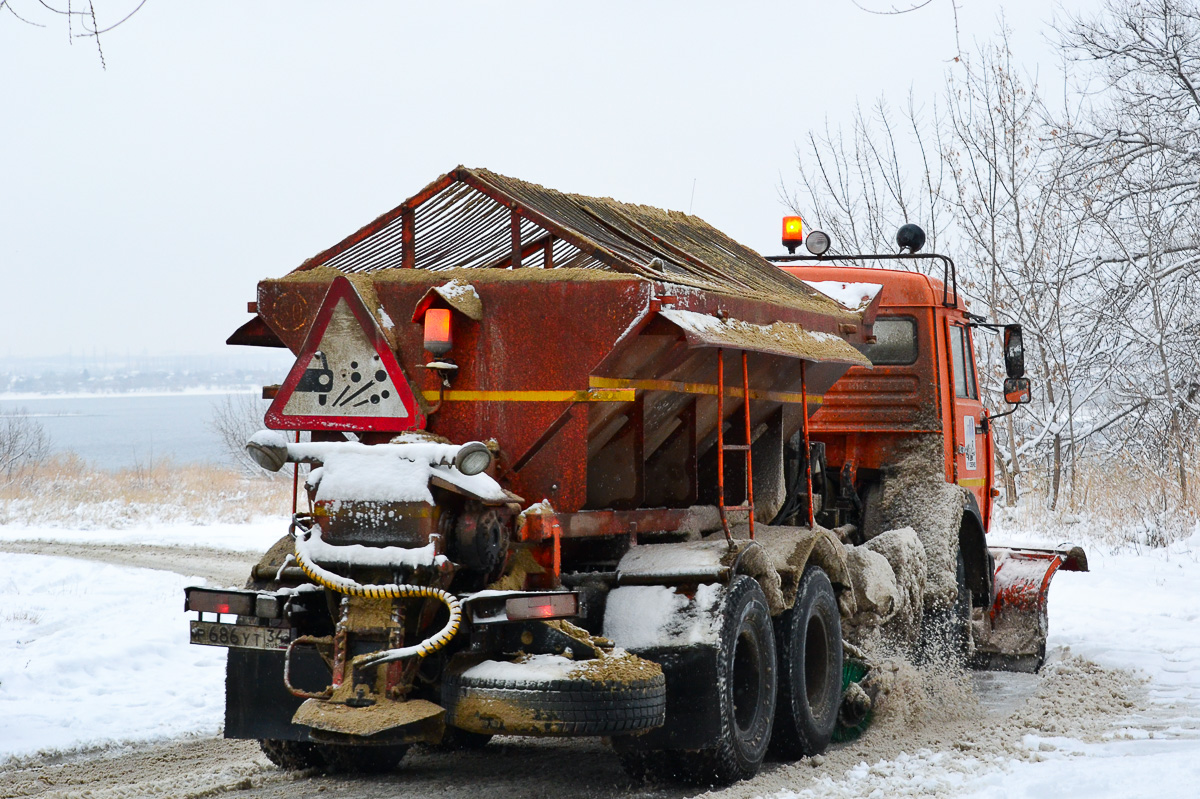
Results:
67 491
1126 503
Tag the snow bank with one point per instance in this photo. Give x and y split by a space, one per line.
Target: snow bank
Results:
95 654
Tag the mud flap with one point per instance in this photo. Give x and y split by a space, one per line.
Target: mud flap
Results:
693 717
257 704
1011 636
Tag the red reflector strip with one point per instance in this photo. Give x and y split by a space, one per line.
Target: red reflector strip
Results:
546 606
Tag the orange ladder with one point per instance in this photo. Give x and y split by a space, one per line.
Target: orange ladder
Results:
722 447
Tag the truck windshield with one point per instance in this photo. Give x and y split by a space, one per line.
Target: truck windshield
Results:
895 341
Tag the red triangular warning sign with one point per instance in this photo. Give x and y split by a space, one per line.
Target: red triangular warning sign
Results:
346 377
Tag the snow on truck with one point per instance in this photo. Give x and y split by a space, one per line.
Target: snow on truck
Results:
579 467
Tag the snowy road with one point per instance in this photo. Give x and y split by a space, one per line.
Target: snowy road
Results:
1084 727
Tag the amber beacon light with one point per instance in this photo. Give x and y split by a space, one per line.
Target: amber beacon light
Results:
438 338
793 233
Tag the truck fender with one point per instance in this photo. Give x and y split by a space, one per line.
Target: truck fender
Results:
973 545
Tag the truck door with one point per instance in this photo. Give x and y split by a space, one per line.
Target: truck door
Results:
971 453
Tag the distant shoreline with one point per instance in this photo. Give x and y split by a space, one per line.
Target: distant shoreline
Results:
194 391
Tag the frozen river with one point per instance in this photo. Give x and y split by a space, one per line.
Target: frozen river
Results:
126 430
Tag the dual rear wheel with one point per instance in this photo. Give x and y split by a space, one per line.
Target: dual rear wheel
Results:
778 687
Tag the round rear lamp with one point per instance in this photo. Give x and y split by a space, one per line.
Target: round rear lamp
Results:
268 449
817 242
473 458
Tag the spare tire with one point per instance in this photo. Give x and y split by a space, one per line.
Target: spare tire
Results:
549 707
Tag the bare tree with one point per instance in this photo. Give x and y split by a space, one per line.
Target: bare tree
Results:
859 188
234 420
79 18
1137 156
1023 231
24 445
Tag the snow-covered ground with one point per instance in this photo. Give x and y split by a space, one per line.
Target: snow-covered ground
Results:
1131 611
97 653
257 536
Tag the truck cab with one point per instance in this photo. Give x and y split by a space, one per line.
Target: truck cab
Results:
923 382
917 410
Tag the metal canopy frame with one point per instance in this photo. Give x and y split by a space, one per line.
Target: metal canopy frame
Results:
475 218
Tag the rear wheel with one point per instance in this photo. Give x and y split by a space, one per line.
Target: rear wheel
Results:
363 759
746 687
946 636
293 755
809 639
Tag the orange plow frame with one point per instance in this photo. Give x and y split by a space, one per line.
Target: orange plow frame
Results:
1011 635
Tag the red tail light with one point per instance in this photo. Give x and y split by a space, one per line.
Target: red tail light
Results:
207 600
547 606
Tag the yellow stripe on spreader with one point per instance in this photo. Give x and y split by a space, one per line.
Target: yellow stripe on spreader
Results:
587 395
701 388
971 482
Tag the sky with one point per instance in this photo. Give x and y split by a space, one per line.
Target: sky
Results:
226 142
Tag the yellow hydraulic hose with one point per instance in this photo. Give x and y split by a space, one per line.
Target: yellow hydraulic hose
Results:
344 585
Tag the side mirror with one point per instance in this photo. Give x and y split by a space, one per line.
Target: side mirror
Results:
1014 353
1017 391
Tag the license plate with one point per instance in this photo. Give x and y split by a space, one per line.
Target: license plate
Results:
212 633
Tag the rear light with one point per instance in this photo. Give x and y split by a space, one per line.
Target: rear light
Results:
545 606
496 607
473 458
234 603
438 339
240 603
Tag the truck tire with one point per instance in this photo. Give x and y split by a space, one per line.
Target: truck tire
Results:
301 755
456 740
946 632
745 690
809 639
553 707
353 759
293 755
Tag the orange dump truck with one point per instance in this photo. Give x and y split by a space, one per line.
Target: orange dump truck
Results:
582 467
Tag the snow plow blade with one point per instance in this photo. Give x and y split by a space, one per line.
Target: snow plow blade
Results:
1011 636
